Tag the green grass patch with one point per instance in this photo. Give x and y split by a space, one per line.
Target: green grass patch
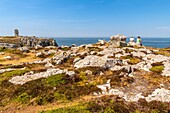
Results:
157 69
13 51
132 60
13 73
8 89
23 98
7 75
3 49
55 80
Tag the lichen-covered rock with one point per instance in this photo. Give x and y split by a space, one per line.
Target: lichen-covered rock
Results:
23 49
95 61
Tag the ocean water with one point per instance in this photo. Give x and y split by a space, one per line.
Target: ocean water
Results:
153 42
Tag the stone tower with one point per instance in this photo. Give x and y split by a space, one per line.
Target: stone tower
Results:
16 32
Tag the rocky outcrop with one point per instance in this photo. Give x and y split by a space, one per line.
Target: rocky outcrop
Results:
7 45
96 61
61 57
34 41
28 41
6 70
31 76
160 94
118 40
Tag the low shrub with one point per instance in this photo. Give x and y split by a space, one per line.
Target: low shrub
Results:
3 49
23 98
47 90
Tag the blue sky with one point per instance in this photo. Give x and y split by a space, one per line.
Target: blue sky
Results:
85 18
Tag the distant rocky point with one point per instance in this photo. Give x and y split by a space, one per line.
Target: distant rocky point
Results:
28 41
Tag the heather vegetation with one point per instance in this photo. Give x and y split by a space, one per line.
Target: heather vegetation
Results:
113 104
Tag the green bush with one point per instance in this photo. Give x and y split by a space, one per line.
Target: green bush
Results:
41 100
3 49
59 96
23 98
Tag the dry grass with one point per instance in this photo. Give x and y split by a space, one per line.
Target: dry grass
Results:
16 59
10 39
165 52
155 78
36 67
132 60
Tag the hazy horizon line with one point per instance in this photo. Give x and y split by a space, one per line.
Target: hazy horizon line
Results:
85 36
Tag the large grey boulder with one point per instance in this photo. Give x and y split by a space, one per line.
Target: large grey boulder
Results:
95 61
118 40
61 56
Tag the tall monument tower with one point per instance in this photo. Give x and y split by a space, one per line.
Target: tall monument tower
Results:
16 32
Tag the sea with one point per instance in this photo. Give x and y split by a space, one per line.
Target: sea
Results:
152 42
